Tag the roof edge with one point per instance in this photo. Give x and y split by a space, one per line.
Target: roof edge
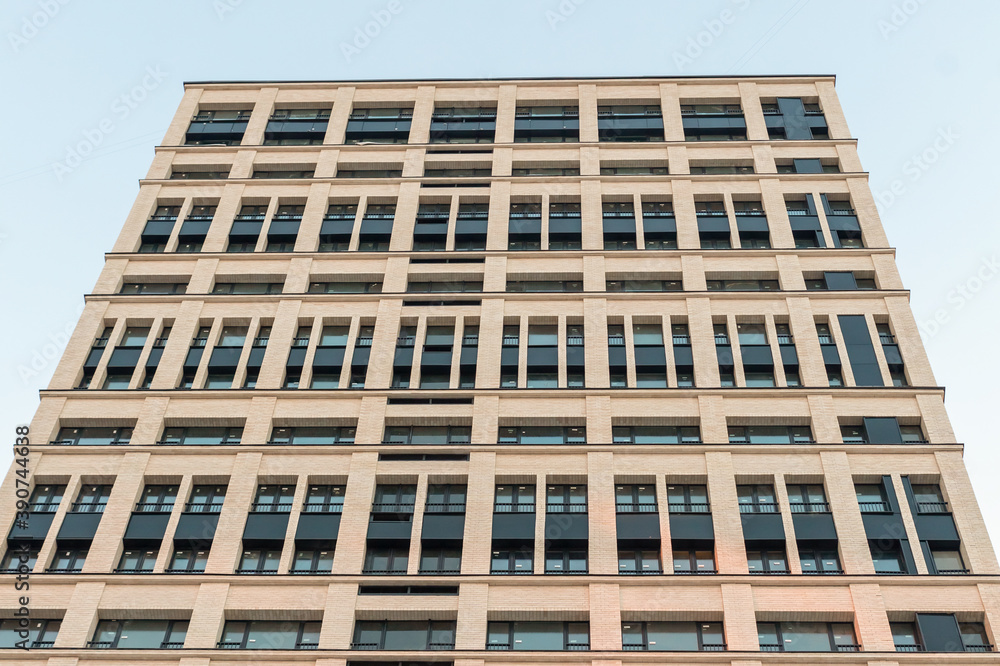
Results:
512 78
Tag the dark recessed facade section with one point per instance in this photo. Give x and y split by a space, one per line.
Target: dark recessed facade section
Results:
196 527
265 527
940 632
814 526
936 527
79 526
443 527
683 355
514 526
567 527
224 358
882 430
124 358
756 355
762 527
638 527
391 530
146 527
318 527
692 526
36 529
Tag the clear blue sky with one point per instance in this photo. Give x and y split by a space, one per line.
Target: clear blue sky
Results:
917 79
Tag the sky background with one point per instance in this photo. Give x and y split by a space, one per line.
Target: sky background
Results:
915 78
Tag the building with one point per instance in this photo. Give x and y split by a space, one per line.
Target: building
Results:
432 371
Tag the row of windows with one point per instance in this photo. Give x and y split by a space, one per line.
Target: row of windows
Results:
393 507
828 281
433 230
422 435
786 118
444 347
420 635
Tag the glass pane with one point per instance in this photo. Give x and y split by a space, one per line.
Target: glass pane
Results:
142 633
538 636
672 636
806 637
647 334
406 635
272 635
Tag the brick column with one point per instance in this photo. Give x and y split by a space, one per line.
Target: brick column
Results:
730 551
603 542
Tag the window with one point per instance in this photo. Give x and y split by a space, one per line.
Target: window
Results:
312 561
794 118
273 499
388 125
91 499
687 499
974 637
543 286
463 125
247 288
273 173
394 499
221 127
673 636
538 636
720 169
713 122
872 498
511 560
199 174
644 285
639 562
757 498
206 499
565 560
139 634
40 633
819 560
546 124
46 498
767 561
566 499
770 434
376 227
947 560
514 499
153 288
386 559
68 560
324 499
806 637
403 635
446 498
635 122
352 287
459 286
887 557
157 499
660 169
201 436
93 436
388 171
839 281
440 560
564 226
137 561
20 557
929 498
427 435
270 635
619 225
259 561
905 637
524 226
807 498
312 435
338 225
471 226
625 434
659 228
471 172
187 560
693 561
742 285
296 127
635 499
542 435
